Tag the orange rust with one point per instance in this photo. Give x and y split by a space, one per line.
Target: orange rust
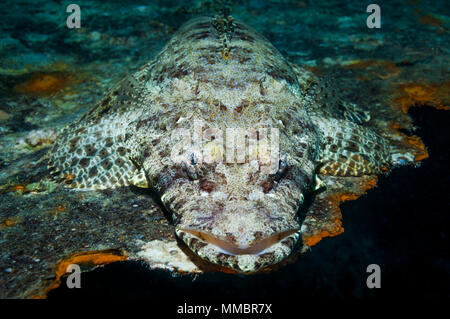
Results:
227 270
314 69
335 227
420 157
334 231
419 146
347 197
8 222
343 197
362 78
395 126
420 151
417 94
44 84
89 258
18 188
416 142
180 272
69 177
361 64
61 208
371 183
382 68
430 20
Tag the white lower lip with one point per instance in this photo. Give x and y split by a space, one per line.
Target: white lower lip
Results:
229 249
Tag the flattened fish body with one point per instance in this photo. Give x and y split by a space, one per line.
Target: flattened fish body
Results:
216 74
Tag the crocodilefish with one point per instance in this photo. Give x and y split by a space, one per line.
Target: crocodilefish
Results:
233 138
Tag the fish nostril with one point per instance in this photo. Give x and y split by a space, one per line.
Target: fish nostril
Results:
266 186
207 186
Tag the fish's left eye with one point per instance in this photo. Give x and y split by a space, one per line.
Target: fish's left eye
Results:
193 159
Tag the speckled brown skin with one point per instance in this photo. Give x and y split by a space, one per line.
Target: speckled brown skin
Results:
224 74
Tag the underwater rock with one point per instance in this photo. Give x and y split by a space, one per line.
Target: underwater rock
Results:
54 227
4 116
167 255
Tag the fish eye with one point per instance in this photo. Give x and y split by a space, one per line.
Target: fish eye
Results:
193 159
191 166
282 167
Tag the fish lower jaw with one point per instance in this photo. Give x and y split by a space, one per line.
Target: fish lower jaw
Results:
242 262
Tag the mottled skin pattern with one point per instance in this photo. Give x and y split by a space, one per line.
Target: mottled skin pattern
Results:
227 75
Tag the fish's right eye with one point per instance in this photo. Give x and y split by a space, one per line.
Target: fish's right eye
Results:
191 165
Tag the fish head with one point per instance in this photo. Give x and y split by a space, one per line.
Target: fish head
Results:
236 215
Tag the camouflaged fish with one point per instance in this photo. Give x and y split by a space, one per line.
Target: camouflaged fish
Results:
235 214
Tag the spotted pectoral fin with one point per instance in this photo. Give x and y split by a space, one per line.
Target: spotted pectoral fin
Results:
93 152
348 149
323 218
91 158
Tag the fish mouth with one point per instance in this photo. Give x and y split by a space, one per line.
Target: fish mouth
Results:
265 252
